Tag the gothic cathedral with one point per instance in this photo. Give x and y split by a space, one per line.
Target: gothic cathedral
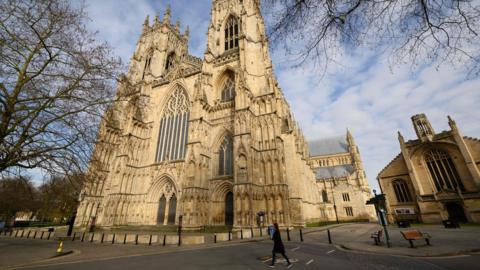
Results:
210 140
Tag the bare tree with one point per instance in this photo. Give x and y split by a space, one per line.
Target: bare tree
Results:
56 80
17 194
58 197
414 31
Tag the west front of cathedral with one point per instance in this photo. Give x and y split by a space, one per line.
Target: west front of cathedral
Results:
213 140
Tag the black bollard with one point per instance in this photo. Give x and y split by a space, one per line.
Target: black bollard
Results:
125 239
215 238
73 238
241 234
113 239
41 236
136 239
83 236
251 231
16 233
23 232
91 239
229 236
150 240
164 239
288 234
28 234
35 235
329 237
301 235
48 237
103 236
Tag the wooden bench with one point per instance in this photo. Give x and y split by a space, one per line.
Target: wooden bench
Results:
415 235
376 236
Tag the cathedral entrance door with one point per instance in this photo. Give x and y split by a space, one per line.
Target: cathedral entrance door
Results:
455 212
172 209
229 209
161 210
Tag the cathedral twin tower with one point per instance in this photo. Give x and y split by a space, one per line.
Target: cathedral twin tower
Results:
210 140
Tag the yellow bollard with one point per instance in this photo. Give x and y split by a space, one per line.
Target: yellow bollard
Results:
60 247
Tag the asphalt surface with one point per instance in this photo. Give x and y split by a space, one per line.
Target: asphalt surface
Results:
250 255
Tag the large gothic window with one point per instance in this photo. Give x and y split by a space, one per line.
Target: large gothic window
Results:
401 191
228 89
225 157
172 138
231 33
170 62
443 171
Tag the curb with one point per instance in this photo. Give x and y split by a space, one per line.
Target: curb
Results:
438 256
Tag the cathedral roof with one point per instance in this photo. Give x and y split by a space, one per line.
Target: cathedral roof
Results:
333 171
328 146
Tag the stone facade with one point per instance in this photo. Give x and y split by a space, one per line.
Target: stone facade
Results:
341 179
435 177
212 140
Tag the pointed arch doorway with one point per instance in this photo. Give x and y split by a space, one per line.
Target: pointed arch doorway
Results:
455 212
229 208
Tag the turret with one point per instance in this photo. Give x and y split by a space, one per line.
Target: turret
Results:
167 16
422 127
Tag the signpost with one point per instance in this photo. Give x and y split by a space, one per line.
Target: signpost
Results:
379 202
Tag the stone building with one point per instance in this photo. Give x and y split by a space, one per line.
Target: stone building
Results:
341 179
435 177
212 140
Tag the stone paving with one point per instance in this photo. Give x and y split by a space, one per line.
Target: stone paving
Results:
444 242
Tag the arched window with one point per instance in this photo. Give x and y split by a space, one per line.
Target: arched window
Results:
225 157
231 33
228 89
443 171
148 60
172 138
401 191
170 62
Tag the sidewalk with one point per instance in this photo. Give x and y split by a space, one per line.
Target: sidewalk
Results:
444 242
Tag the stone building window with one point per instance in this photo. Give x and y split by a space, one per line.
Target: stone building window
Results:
324 196
231 33
148 60
172 138
349 211
169 62
346 197
228 89
225 157
443 171
401 191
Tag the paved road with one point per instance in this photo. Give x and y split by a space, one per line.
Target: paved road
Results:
249 256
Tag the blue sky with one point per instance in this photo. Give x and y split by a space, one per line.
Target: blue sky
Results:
367 95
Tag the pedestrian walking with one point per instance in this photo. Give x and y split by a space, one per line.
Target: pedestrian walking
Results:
278 247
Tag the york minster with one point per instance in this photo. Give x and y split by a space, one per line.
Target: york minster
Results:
213 139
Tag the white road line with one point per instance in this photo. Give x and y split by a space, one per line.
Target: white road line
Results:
309 262
267 260
333 250
293 249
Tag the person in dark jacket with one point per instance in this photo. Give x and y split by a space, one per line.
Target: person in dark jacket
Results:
278 246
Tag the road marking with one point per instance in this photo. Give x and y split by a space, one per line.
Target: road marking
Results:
293 249
333 250
309 262
269 259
